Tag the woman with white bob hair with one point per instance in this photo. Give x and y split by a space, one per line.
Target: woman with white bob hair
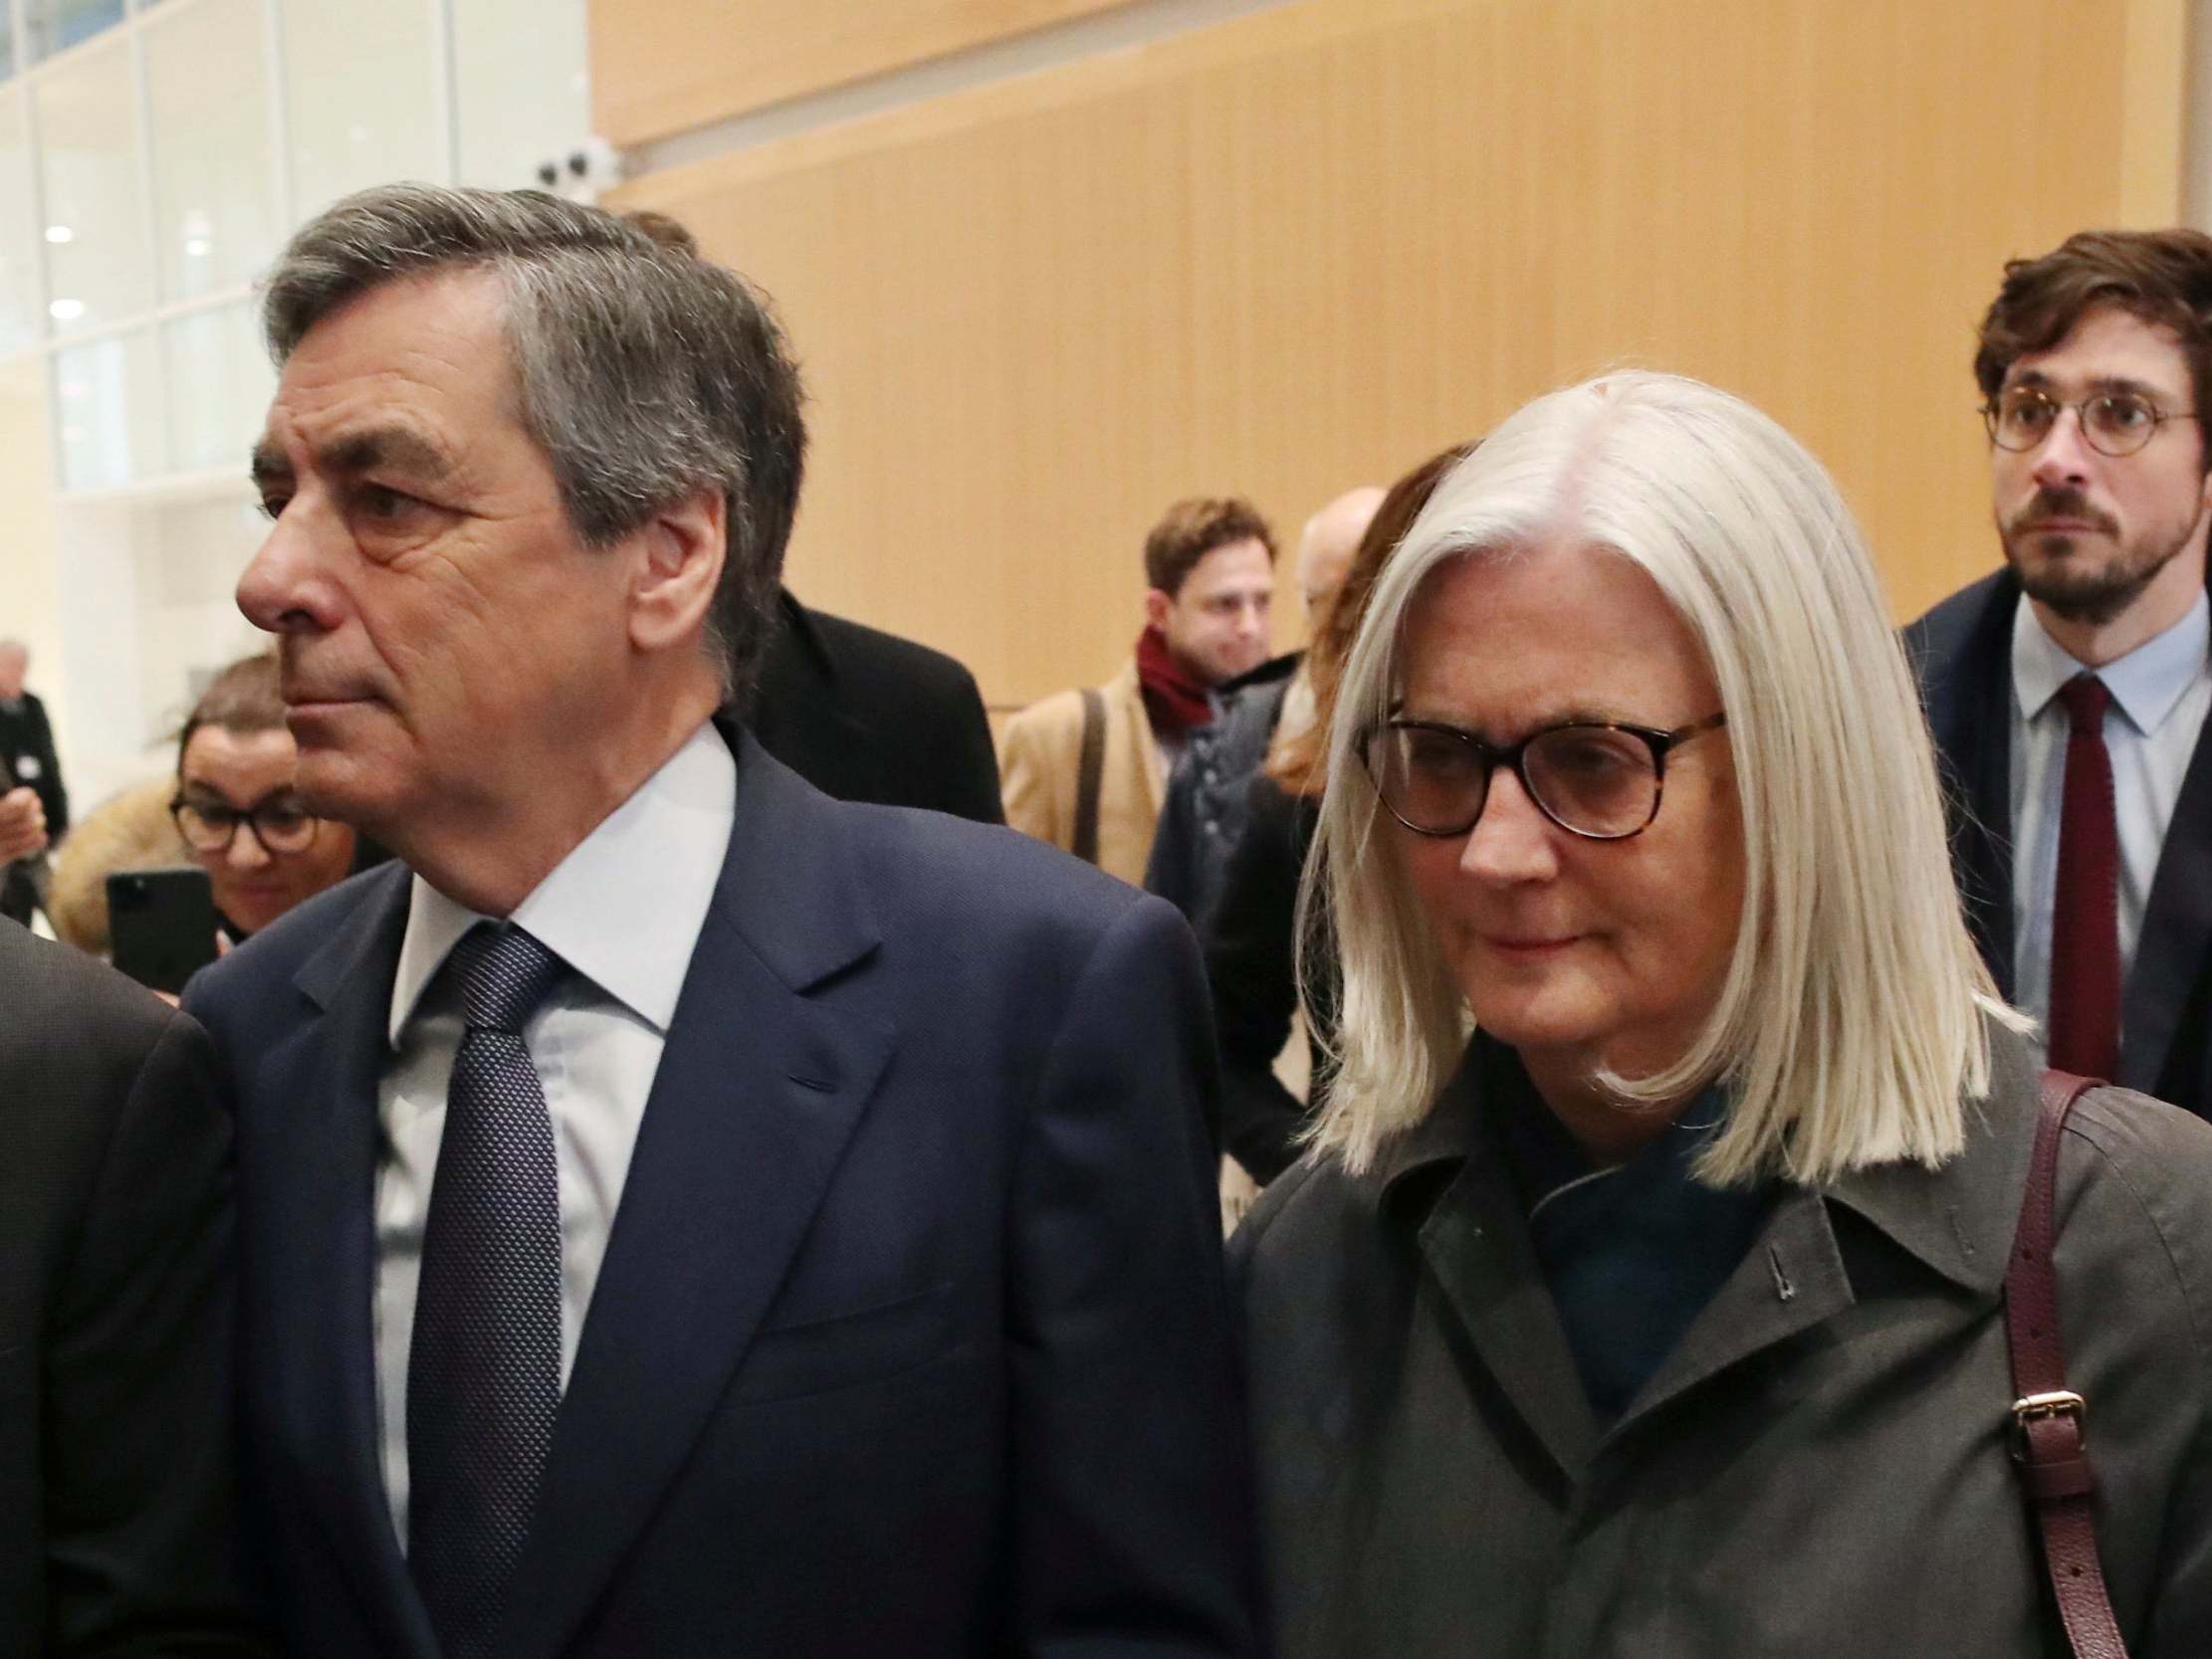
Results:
1643 1289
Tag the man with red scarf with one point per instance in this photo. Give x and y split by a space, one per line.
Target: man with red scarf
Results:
1210 569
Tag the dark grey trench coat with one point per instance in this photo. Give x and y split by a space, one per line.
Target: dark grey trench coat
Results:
1819 1468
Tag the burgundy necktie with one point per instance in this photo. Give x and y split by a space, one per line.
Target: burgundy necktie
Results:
2085 914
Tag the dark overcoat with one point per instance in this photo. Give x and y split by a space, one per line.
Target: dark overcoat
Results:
1821 1466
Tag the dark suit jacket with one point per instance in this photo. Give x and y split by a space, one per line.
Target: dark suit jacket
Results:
865 715
909 1339
117 1455
1962 651
28 732
1251 943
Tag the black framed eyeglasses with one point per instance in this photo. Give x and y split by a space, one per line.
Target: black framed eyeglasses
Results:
280 825
1598 780
2116 424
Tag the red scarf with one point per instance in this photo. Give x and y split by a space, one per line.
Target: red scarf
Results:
1172 698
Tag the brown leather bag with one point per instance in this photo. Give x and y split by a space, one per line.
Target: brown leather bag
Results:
2053 1457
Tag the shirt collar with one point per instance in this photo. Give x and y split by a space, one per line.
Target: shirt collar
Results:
653 862
2146 684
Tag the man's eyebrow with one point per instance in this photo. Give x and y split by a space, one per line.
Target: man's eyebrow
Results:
385 446
360 452
268 466
2098 384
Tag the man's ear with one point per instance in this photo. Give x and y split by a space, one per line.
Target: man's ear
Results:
1157 606
676 568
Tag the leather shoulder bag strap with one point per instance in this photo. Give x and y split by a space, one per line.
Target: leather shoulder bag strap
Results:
1090 772
2048 1417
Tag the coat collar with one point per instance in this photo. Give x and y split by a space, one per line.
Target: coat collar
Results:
1445 1183
1956 1219
1959 1219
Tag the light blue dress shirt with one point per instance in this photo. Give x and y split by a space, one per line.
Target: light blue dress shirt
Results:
623 909
2160 693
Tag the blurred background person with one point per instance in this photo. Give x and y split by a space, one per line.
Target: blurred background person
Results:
233 808
34 805
1203 815
132 829
1085 770
1633 1322
1251 933
238 807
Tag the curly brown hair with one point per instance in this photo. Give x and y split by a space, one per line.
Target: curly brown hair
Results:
2162 278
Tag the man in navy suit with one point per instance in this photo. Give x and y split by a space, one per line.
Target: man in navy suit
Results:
681 1215
2068 692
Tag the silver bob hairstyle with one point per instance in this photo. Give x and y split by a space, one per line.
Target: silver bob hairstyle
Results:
642 371
1850 1027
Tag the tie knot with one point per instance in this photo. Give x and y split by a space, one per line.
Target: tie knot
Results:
2086 700
503 974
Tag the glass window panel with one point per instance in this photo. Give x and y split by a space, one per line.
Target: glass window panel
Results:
96 263
213 188
7 41
52 26
519 88
21 326
362 94
219 386
108 415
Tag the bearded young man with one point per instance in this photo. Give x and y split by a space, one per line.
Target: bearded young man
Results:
2068 691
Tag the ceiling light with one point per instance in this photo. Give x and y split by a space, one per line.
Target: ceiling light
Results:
59 233
65 310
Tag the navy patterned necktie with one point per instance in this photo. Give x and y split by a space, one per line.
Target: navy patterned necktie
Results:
484 1364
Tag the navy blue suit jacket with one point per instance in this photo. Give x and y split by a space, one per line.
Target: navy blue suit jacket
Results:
910 1339
1962 651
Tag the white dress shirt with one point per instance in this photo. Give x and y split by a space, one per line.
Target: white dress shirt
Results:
2160 693
623 909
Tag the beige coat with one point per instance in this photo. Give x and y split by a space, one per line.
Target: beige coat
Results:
1039 754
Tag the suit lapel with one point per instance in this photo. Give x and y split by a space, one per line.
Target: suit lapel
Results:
1969 700
319 1189
756 1095
2176 941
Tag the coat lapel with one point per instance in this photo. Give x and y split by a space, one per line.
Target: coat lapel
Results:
318 1193
1482 1266
1967 686
756 1095
2175 945
1790 1280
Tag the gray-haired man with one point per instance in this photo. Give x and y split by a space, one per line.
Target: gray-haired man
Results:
682 1215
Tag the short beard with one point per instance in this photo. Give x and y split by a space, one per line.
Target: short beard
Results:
2090 596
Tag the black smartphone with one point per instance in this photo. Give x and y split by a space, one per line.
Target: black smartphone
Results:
161 923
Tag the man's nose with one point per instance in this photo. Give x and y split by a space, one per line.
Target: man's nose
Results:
1512 841
2064 455
286 589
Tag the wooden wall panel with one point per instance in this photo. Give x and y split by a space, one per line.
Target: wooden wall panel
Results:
663 67
1308 248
